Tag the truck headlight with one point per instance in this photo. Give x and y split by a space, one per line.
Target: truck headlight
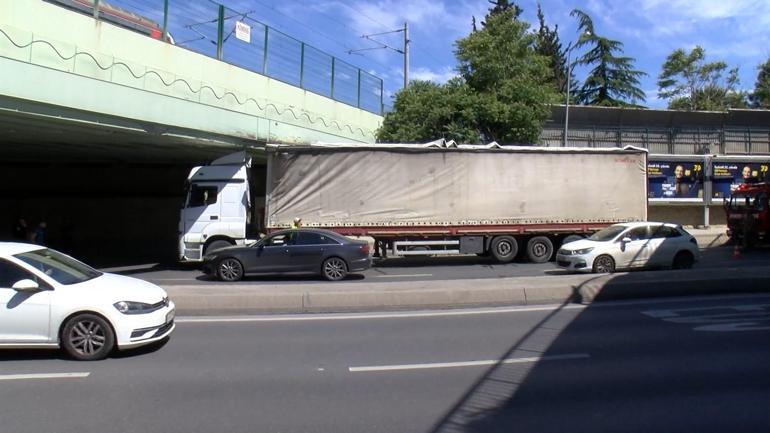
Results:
582 251
128 307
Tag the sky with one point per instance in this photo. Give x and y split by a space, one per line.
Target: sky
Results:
734 31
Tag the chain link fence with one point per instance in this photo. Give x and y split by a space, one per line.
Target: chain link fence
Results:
236 37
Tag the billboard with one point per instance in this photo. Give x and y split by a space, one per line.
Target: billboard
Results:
675 179
727 175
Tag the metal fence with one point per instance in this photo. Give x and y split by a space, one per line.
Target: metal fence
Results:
681 140
209 28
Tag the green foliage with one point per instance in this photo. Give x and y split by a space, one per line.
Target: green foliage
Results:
613 81
760 98
502 95
689 83
511 80
426 111
548 44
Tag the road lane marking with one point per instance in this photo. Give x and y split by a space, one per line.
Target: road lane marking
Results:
723 318
308 317
402 275
44 376
485 362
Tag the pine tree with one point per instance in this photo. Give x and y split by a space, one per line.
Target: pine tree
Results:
760 98
549 45
613 81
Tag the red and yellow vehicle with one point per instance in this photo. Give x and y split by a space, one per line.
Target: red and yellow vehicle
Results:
748 220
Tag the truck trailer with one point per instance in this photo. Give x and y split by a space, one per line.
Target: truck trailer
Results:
428 199
439 200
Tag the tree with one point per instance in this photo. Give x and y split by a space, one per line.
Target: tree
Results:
613 81
689 83
426 111
499 7
760 98
511 80
503 6
503 92
548 44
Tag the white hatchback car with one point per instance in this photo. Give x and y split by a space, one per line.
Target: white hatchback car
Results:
48 299
631 245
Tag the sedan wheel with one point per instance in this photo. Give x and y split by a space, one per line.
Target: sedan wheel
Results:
683 260
230 269
604 265
334 269
87 337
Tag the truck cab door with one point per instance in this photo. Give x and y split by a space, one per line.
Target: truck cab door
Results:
202 206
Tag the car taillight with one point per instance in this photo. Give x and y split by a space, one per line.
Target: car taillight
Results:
365 248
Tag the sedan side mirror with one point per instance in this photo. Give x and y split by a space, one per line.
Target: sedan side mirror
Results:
26 285
625 240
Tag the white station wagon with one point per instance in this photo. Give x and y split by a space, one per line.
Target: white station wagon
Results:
631 245
48 299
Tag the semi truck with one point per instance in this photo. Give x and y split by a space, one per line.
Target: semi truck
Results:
433 199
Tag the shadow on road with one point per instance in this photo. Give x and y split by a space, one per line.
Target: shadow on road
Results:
628 372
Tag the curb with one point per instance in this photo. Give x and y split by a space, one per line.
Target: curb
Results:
389 296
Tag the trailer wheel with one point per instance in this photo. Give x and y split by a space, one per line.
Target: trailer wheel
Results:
539 249
504 248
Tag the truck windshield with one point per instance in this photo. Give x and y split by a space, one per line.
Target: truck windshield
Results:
607 234
63 269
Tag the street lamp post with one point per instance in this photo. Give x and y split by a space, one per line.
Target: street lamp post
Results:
566 104
570 47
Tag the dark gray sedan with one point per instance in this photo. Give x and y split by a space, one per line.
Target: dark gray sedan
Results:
291 251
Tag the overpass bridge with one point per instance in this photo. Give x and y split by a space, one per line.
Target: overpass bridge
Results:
99 125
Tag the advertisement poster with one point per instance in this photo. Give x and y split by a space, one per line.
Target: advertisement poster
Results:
728 175
671 180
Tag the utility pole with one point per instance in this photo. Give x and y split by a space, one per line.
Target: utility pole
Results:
404 51
406 54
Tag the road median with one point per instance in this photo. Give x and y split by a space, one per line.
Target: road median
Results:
365 295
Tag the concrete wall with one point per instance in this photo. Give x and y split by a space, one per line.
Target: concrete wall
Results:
688 215
102 68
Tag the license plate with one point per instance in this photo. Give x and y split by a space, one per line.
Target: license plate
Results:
170 316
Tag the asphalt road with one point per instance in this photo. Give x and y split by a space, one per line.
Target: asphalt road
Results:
426 269
684 365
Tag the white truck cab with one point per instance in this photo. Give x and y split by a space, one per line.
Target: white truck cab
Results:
216 209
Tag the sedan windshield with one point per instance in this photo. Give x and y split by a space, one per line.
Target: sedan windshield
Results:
56 265
607 234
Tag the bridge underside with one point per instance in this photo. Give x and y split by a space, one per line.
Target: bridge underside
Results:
109 189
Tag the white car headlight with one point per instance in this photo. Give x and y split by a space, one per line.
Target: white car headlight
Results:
128 307
582 251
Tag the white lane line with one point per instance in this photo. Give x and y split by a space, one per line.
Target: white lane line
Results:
307 317
403 275
485 362
44 376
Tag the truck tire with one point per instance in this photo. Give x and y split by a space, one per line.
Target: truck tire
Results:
504 248
216 245
539 249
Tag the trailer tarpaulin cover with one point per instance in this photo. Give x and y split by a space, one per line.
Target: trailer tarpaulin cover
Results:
336 185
